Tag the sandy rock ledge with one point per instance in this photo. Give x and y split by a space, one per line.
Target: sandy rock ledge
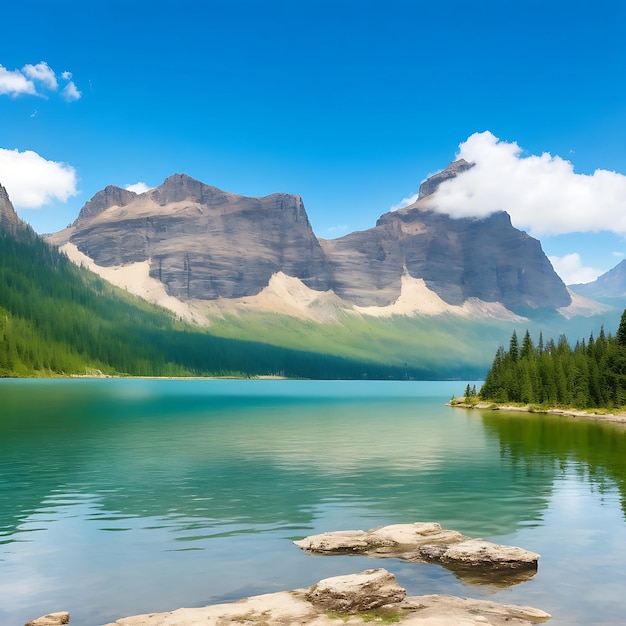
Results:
372 595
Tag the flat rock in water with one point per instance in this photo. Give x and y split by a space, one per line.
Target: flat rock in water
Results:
52 619
372 595
425 542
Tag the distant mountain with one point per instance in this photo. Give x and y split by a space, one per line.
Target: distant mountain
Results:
204 244
610 285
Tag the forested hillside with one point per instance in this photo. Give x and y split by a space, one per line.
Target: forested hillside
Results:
591 374
58 319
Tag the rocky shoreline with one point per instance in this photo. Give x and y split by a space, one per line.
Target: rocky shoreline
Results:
372 595
460 403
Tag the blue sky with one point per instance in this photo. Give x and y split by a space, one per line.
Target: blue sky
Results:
349 104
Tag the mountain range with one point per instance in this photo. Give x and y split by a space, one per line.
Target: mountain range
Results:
418 295
191 247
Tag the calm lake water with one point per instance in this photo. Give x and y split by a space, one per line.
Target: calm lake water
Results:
120 497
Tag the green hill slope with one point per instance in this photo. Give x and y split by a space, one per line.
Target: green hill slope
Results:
58 319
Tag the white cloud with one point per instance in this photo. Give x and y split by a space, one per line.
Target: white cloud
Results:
22 82
572 271
619 255
541 193
70 93
32 181
139 187
42 73
14 83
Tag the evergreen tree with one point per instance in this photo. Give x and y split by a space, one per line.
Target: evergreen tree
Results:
621 331
591 374
514 348
528 349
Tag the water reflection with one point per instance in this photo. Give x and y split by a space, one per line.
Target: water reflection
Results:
595 451
203 460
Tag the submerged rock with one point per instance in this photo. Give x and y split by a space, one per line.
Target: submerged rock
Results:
426 542
372 595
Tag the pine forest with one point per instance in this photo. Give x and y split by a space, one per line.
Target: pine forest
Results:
592 374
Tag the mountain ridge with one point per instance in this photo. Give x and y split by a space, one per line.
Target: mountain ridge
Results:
205 244
59 319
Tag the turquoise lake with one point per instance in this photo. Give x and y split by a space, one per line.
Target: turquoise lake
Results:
124 496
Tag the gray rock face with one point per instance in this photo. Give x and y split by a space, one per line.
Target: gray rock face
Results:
204 243
457 258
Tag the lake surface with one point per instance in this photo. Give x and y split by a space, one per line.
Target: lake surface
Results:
128 496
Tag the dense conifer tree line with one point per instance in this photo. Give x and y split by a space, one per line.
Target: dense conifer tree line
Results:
590 374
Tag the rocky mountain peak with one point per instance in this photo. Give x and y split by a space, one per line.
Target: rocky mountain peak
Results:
179 187
105 199
204 244
458 259
429 186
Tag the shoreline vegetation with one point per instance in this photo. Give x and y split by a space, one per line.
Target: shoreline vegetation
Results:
587 381
594 414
